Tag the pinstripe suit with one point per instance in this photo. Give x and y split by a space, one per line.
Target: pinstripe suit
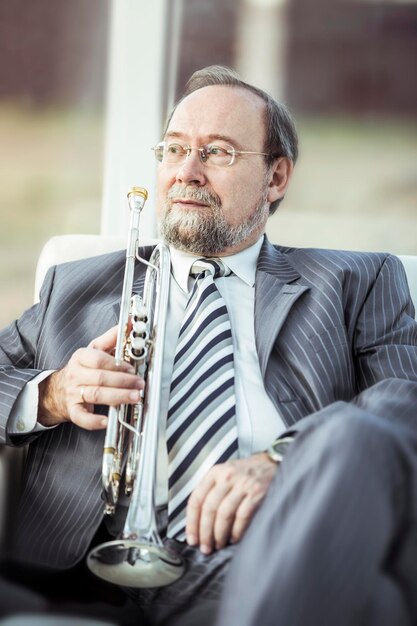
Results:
330 327
334 541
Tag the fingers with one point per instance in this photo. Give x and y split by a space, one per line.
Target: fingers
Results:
217 517
244 514
221 507
201 509
82 416
105 342
109 395
93 358
103 381
90 377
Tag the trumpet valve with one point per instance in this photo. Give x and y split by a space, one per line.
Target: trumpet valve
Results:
139 329
138 347
139 335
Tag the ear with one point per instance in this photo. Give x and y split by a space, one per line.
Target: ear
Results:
279 178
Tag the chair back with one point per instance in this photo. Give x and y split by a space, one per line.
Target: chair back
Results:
410 266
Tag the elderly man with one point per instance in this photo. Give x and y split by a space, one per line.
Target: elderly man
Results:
274 346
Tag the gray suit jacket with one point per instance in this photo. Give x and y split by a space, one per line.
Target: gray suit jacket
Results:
334 331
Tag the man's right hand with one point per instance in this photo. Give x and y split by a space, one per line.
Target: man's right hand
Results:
90 377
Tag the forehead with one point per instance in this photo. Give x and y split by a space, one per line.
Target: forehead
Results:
221 111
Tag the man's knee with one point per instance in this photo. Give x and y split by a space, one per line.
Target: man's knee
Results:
349 452
354 436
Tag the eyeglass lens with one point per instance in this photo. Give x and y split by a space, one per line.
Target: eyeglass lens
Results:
177 153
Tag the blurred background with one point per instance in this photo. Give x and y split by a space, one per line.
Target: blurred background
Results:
85 86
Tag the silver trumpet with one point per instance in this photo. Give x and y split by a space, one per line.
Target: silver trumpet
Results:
138 558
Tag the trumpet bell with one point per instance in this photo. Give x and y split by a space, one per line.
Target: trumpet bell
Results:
135 564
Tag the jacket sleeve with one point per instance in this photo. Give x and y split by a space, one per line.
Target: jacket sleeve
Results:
384 352
18 346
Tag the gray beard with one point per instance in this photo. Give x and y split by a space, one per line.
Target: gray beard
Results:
206 231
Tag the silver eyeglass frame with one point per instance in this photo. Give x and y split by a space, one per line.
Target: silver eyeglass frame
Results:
204 157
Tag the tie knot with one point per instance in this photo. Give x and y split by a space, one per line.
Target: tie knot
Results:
216 267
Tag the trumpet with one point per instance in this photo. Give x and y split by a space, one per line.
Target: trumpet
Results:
138 558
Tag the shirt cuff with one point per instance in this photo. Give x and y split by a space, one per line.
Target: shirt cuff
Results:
24 414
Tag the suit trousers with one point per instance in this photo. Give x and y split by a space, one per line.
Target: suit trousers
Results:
193 599
335 541
31 590
76 592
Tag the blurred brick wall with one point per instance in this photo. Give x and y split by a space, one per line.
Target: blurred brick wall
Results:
208 36
343 56
352 57
53 51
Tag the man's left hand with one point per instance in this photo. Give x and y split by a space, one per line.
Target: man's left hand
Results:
222 505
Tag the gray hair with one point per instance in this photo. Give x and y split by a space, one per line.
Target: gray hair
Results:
281 134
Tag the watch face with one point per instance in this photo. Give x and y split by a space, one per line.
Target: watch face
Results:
278 448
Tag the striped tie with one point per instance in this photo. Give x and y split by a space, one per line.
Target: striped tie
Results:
201 425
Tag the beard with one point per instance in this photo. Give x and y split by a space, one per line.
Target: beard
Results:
206 231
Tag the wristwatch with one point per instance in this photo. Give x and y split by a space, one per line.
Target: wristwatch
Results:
278 448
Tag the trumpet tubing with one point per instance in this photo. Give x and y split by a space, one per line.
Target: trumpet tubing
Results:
138 558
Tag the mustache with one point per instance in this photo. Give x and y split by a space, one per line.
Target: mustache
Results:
200 194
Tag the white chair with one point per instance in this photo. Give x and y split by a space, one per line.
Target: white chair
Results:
72 247
410 266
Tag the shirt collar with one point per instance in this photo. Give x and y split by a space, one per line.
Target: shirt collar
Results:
242 264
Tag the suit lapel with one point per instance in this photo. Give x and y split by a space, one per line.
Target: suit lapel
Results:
275 295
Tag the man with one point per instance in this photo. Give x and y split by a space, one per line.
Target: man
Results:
312 332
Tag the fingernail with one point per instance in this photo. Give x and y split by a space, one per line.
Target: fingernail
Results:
134 395
104 422
192 540
205 549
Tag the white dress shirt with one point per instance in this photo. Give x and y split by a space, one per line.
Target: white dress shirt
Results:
258 422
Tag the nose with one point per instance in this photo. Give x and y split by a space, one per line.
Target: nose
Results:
192 171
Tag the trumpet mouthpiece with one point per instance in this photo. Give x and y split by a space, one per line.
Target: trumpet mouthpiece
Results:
137 197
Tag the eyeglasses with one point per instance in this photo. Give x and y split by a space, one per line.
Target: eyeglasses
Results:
221 155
